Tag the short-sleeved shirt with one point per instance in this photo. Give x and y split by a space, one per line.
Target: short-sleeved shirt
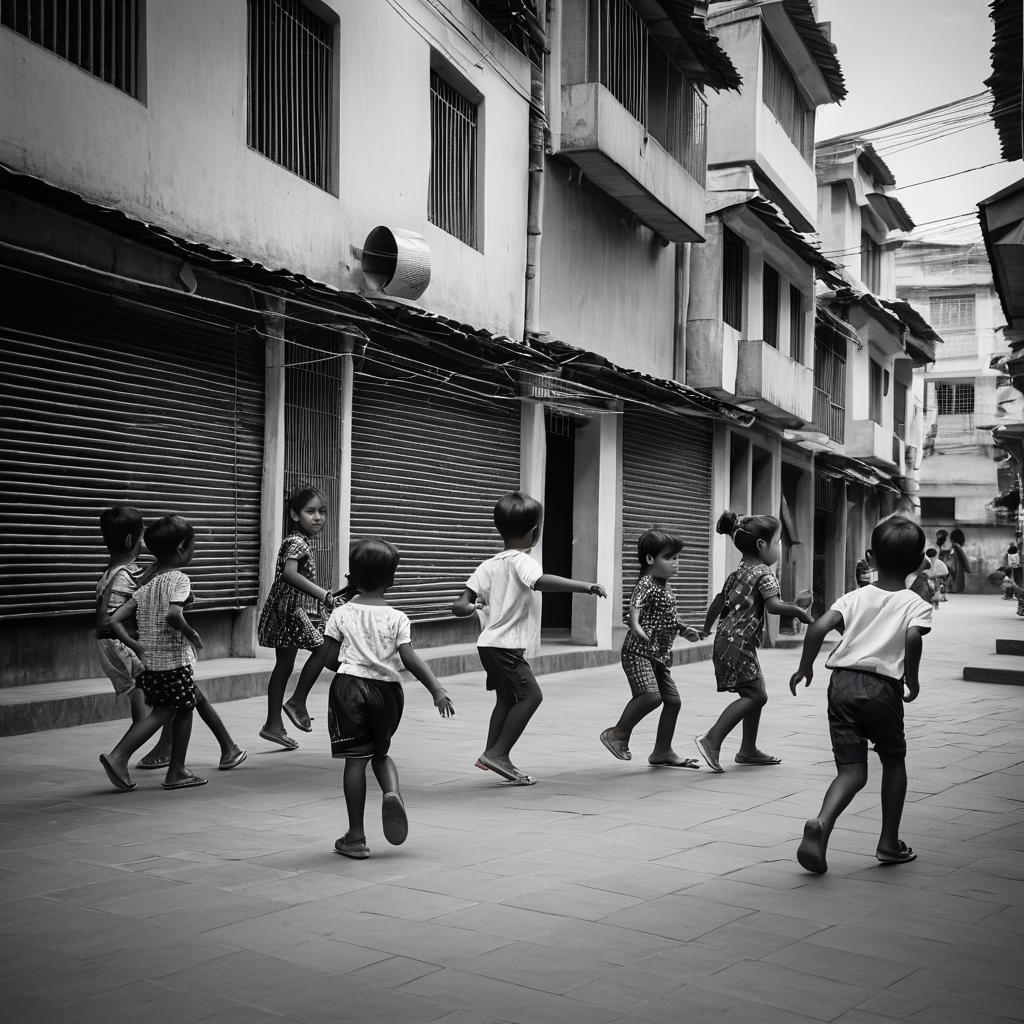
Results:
742 623
165 647
122 582
505 584
875 629
369 636
656 607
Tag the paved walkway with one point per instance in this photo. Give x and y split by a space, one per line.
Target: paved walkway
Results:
610 892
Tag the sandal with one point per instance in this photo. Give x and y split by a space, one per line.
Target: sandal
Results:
303 723
233 761
617 748
757 759
153 761
522 779
709 757
281 738
354 848
117 780
689 763
189 782
905 855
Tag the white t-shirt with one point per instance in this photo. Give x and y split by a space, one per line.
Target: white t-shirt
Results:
939 569
505 584
876 623
369 635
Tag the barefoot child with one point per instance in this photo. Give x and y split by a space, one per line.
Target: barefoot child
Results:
368 644
285 624
647 653
504 587
749 592
877 658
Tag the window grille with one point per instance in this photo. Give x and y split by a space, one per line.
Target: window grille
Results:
796 324
733 264
782 97
99 36
770 305
452 202
291 67
826 493
951 311
954 399
830 385
875 391
870 263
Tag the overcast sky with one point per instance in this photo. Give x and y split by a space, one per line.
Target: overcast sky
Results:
903 56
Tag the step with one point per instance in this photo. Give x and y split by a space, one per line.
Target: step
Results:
1010 647
997 668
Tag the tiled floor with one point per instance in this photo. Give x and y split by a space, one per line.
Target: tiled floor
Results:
610 892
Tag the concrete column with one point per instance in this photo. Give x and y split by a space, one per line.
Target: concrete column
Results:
533 458
272 499
345 480
722 548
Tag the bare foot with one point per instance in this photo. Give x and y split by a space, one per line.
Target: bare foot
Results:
811 851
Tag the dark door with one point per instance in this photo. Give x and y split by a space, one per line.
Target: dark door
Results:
558 507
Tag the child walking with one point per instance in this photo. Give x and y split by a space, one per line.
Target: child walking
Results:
877 659
368 643
504 589
749 592
166 648
285 623
647 653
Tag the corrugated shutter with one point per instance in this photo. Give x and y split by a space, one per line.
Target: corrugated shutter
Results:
427 467
104 401
666 483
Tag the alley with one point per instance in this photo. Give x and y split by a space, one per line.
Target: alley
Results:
610 892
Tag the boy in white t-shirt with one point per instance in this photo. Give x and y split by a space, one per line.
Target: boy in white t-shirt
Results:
503 589
879 654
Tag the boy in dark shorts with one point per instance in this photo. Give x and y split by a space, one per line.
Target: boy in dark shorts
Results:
877 658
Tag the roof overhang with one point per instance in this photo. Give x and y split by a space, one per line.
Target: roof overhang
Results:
921 338
685 36
1002 227
1007 74
807 48
891 211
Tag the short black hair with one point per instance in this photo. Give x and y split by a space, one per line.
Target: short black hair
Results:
956 535
516 514
653 542
372 563
898 545
167 534
121 527
931 552
746 531
300 497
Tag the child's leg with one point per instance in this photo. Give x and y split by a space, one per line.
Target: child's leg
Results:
181 733
283 665
296 704
136 735
643 685
504 702
747 704
525 701
355 797
396 824
137 702
849 781
894 793
229 749
670 707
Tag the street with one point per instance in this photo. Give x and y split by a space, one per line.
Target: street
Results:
610 892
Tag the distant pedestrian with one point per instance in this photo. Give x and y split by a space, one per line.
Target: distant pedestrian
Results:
937 571
920 581
961 564
877 659
750 590
1013 562
285 623
647 653
368 644
503 589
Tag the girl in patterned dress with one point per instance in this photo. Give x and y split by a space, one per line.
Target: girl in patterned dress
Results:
647 653
285 624
749 592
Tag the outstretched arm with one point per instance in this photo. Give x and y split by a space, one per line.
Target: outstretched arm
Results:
776 606
561 585
713 612
465 604
820 628
421 670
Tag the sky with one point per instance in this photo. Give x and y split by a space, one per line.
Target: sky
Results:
904 56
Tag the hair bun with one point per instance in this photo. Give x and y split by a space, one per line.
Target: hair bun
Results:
727 523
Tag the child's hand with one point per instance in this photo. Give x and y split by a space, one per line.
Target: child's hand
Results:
143 655
800 673
689 633
641 634
913 689
444 705
197 641
597 590
804 599
806 617
480 604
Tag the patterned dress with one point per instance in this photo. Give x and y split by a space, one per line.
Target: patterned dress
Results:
741 624
656 606
285 622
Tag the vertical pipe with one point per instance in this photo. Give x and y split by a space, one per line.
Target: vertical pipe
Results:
345 469
535 192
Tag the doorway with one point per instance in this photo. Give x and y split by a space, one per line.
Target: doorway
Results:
560 432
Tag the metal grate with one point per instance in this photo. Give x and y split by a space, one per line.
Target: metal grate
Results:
290 108
954 399
452 203
830 386
782 97
826 493
951 312
99 36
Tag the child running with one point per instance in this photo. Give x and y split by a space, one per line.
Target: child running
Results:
285 623
166 648
503 589
749 592
876 660
368 643
647 653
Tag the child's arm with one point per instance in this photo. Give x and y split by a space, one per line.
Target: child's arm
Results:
690 633
912 662
419 668
561 585
465 604
820 628
331 655
634 623
292 577
776 606
175 618
713 612
115 623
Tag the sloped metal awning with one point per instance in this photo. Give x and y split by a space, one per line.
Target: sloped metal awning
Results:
771 215
1002 227
921 337
891 210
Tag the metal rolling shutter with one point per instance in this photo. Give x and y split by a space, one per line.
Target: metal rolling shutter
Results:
427 467
105 401
666 483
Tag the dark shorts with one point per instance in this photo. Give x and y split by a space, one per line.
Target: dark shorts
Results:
863 708
508 673
647 676
363 715
172 688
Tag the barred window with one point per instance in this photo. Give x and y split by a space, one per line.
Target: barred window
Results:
783 98
870 263
875 389
453 193
733 270
796 324
954 399
291 67
99 36
951 311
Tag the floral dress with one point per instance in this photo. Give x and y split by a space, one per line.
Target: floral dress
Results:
657 615
284 621
741 624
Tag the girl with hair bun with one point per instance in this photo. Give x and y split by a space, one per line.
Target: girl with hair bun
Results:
749 592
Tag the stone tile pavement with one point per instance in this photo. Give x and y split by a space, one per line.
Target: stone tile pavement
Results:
610 892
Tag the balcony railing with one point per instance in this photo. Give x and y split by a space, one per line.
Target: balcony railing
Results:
628 61
829 418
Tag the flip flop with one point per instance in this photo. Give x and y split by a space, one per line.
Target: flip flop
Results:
754 761
710 759
148 765
190 782
689 763
357 850
811 851
905 855
232 762
303 725
522 779
118 781
393 817
280 738
615 747
486 764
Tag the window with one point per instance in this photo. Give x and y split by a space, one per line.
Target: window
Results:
452 199
899 411
952 312
291 68
770 305
99 36
783 98
941 510
733 269
954 399
870 263
796 324
875 391
830 383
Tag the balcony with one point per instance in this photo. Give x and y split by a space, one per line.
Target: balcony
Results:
829 417
872 443
777 387
712 352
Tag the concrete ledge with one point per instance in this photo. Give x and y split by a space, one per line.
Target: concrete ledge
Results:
1010 647
997 668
